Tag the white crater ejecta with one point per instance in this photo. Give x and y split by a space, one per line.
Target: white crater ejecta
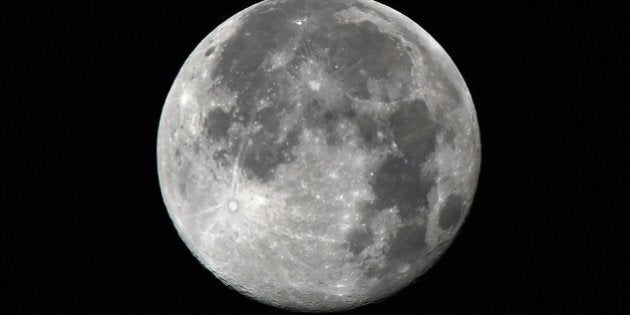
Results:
318 155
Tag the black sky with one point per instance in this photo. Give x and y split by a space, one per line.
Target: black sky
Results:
85 229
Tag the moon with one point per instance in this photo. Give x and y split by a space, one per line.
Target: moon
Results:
318 155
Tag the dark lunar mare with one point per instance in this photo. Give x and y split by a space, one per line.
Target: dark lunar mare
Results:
398 182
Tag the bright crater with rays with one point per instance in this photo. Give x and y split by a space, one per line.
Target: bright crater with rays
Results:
318 155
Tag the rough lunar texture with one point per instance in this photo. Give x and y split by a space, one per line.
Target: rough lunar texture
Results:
318 155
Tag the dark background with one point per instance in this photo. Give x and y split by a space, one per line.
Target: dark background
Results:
84 229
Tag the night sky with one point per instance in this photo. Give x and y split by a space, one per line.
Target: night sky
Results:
84 228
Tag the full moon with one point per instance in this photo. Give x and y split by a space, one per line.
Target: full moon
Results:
318 155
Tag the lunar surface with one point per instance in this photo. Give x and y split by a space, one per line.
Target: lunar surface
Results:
318 155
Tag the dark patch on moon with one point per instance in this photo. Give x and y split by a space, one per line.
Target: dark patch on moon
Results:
268 117
264 155
405 248
209 52
262 87
398 180
451 211
222 157
331 122
398 183
243 55
368 129
414 131
362 50
312 114
328 120
358 240
348 112
243 67
449 135
217 124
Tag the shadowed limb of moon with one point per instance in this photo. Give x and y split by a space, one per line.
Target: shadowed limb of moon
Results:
318 155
